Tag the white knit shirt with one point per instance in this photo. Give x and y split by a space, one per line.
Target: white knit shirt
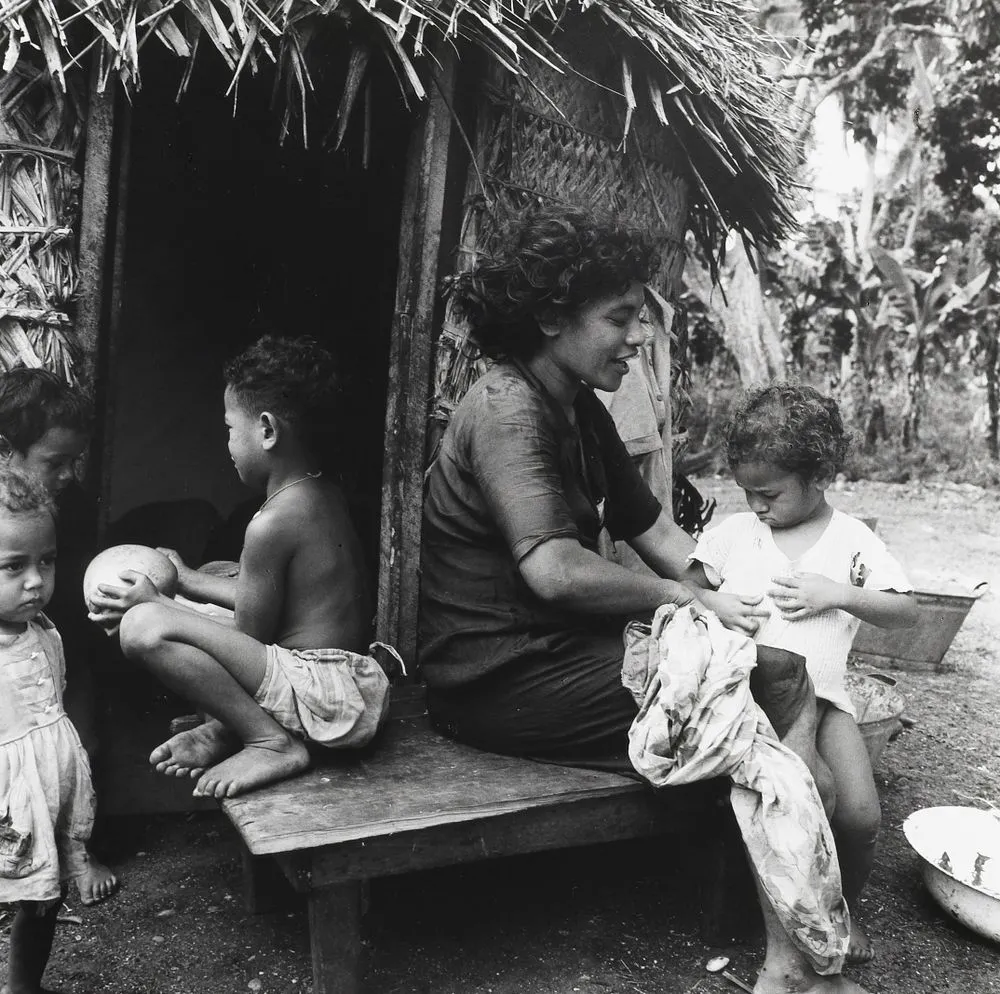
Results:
740 556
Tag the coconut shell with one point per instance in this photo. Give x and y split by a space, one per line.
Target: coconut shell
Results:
106 567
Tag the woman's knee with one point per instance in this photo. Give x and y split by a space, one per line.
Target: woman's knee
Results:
144 629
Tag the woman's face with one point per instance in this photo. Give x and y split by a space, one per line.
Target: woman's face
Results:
595 343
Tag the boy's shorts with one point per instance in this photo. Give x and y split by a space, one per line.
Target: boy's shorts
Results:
332 697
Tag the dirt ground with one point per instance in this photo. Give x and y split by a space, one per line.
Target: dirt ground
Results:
619 918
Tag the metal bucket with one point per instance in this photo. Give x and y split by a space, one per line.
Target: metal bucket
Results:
880 707
923 646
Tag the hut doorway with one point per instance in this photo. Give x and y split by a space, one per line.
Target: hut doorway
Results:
230 234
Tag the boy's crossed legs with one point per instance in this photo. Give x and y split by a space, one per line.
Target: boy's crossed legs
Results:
219 670
857 814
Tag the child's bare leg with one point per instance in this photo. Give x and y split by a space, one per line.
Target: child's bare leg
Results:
801 739
857 817
30 944
219 669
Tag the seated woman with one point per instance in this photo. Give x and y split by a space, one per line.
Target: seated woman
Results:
521 618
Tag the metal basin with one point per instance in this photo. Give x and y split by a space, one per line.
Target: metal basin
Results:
959 850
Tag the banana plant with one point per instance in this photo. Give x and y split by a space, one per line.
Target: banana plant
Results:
928 299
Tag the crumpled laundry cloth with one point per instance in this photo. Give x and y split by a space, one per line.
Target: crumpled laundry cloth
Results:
697 719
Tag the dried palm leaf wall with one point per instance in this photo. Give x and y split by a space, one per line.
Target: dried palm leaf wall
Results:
40 134
551 137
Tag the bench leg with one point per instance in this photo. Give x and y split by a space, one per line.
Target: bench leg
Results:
265 887
335 938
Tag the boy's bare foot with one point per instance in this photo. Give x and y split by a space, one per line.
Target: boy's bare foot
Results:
860 948
190 753
97 883
254 766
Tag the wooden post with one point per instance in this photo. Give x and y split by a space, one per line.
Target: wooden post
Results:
335 939
409 369
95 201
107 345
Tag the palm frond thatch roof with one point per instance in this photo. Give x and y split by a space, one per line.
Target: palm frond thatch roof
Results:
693 63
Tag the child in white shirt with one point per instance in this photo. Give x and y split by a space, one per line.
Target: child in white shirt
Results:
821 573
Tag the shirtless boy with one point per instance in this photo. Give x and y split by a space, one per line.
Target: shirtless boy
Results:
266 678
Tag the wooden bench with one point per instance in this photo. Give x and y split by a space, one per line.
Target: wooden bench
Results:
417 800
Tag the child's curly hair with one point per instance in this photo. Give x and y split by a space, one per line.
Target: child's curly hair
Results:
551 262
293 378
32 401
794 427
23 493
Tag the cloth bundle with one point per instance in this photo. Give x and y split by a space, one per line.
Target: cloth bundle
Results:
697 719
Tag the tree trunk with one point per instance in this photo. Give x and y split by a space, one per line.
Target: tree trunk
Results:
993 392
748 318
914 394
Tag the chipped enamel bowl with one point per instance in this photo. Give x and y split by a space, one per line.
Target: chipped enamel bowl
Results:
959 850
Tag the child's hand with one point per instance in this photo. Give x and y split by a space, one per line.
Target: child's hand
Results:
801 595
740 612
182 568
108 603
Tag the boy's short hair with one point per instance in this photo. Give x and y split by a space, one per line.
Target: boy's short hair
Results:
293 378
33 401
23 493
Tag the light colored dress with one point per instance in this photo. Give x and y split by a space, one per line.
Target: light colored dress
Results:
46 796
740 556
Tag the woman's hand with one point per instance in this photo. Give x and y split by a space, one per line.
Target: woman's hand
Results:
801 595
108 603
740 612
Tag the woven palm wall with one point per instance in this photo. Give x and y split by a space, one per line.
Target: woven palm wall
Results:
560 138
40 134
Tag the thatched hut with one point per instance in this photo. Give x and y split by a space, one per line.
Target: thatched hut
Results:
204 169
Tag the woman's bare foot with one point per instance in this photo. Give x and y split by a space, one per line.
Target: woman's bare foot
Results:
97 883
860 948
255 765
814 984
190 753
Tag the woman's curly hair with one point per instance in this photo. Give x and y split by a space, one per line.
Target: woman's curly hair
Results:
293 378
794 427
551 262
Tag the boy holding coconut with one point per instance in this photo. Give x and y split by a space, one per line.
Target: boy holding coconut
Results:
268 679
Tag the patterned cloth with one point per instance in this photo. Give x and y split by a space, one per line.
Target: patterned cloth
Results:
696 720
46 797
333 697
740 554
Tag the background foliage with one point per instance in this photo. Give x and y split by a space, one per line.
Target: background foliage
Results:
889 299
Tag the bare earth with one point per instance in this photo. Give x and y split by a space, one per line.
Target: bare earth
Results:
617 919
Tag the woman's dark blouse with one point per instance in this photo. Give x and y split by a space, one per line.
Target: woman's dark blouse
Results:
511 474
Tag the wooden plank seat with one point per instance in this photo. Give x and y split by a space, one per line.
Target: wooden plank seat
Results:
416 800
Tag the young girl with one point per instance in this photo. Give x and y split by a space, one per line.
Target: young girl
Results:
46 798
820 573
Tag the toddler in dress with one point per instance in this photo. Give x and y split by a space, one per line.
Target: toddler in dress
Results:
46 797
820 573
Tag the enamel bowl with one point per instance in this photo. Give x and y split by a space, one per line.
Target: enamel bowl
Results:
959 850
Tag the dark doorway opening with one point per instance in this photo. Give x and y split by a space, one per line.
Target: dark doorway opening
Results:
231 234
